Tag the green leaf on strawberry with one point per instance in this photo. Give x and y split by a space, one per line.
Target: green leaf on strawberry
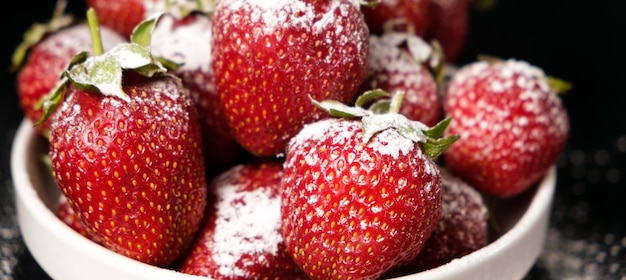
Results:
103 71
384 115
38 31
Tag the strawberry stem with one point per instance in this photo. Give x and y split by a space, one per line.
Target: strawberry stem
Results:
94 27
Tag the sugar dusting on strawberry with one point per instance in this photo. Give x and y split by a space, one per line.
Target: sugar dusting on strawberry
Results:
344 207
512 125
181 41
239 230
46 61
95 143
125 150
241 237
360 195
462 229
399 62
269 56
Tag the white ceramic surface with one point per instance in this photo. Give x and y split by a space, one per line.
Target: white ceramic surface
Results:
65 254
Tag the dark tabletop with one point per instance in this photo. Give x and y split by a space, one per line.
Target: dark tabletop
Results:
579 41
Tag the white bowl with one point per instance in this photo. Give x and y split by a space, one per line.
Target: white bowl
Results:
65 254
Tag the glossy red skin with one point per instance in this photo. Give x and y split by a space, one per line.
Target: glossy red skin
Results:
120 15
265 80
187 41
414 13
351 211
449 25
47 60
392 69
133 171
244 180
512 126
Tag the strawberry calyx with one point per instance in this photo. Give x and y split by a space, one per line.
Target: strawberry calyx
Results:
37 31
559 85
102 72
383 114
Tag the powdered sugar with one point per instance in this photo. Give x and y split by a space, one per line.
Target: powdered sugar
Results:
301 14
458 197
77 38
385 54
185 43
248 222
167 96
535 98
507 115
176 8
339 131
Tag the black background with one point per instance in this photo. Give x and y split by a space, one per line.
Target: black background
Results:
579 41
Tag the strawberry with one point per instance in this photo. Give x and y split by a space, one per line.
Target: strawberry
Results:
40 62
187 40
241 237
462 229
449 25
67 215
123 15
393 67
269 56
360 197
412 16
512 125
125 149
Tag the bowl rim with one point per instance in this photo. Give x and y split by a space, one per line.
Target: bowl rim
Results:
35 217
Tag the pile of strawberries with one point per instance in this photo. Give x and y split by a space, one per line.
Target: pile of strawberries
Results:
292 139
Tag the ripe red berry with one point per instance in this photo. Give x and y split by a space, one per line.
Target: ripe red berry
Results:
270 56
392 66
187 40
241 237
45 63
360 195
449 25
462 229
512 125
126 151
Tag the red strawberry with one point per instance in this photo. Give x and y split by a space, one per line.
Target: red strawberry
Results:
359 197
449 25
241 236
399 15
270 56
393 67
45 61
187 40
123 15
462 229
512 125
67 215
125 148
